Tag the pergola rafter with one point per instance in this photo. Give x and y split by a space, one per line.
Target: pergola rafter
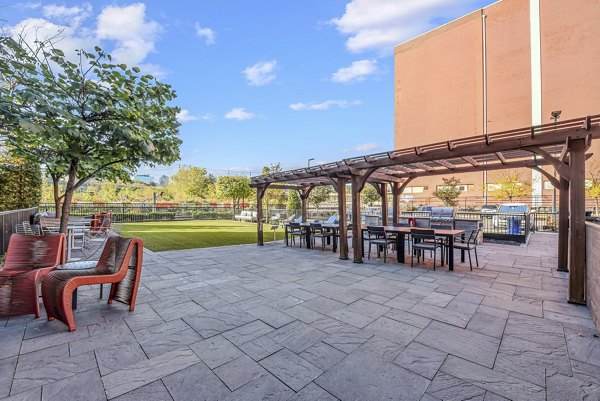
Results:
561 145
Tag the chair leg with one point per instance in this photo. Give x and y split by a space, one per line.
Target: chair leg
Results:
476 261
412 256
470 263
384 253
369 256
434 256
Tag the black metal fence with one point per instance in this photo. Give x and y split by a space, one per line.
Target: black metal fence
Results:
8 223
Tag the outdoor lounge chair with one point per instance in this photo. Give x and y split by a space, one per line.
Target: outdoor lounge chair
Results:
28 259
120 265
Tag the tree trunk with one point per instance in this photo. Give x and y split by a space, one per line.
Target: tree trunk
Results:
57 197
68 196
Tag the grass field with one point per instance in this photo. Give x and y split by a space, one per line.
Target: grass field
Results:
173 235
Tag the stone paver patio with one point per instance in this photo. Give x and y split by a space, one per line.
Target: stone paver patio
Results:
277 323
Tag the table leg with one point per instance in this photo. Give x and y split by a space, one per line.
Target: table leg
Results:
451 252
334 240
328 238
286 236
400 238
308 245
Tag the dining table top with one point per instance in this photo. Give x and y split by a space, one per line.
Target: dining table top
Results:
394 229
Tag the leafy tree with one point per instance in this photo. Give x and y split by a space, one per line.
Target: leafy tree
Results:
83 119
163 181
234 188
319 195
273 196
369 195
510 184
593 184
20 183
190 183
294 203
449 192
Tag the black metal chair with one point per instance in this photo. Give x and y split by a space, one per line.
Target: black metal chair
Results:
296 230
317 231
425 240
377 236
471 244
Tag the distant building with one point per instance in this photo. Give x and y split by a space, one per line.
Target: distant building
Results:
506 66
145 178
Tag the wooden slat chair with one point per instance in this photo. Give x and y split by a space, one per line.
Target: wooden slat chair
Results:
28 259
120 265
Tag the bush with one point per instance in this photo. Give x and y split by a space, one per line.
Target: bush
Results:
20 183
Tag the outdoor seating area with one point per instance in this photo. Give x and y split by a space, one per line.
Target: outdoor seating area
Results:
247 322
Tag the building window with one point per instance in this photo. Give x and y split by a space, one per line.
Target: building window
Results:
461 187
415 190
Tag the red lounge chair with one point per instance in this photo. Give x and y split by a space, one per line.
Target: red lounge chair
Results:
28 259
120 264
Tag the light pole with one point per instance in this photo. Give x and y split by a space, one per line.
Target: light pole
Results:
309 160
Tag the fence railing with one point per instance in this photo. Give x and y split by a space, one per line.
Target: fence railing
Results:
8 223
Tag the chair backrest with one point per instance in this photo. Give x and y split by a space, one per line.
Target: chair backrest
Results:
112 259
422 222
28 252
419 234
299 219
376 231
20 229
316 225
473 236
294 225
27 227
441 226
332 219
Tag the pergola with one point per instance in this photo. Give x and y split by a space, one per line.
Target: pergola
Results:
562 145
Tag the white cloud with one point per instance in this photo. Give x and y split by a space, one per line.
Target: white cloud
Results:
261 73
72 16
357 71
206 33
128 27
185 116
239 113
382 24
363 148
324 105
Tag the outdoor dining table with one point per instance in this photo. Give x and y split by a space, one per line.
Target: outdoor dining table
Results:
401 233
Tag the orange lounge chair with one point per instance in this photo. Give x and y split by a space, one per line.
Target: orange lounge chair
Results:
120 265
28 259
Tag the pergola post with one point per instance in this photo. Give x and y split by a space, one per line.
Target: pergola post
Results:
356 219
384 203
395 196
304 193
577 245
342 218
260 193
563 225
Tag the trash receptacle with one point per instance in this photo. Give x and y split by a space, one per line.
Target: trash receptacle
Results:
514 225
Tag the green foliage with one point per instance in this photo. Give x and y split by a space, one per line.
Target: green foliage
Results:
20 183
593 184
233 187
273 196
448 193
510 184
294 203
191 183
84 118
369 195
319 195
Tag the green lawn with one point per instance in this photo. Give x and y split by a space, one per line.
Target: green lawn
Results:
173 235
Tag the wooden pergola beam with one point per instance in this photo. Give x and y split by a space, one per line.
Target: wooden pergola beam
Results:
500 157
471 161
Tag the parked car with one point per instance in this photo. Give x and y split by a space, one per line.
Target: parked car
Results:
510 217
489 209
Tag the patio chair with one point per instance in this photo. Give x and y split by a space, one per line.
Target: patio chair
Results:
333 219
470 244
30 229
425 240
296 230
377 236
319 232
120 265
28 259
100 227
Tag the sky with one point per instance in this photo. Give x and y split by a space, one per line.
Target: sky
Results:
258 81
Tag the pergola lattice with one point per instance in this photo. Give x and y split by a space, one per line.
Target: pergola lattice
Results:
561 145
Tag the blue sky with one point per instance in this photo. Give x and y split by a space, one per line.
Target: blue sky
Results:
259 81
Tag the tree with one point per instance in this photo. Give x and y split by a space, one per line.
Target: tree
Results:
510 184
593 184
273 196
449 192
369 195
294 203
234 188
190 183
163 181
320 194
83 119
20 183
